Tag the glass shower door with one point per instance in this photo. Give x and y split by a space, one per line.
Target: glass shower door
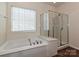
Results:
44 24
64 29
55 25
56 28
60 29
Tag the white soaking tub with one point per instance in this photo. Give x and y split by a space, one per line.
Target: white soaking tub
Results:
32 47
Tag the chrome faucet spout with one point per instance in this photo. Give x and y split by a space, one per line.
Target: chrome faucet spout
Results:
30 41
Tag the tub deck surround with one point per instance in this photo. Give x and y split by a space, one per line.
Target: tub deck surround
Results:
48 47
6 51
47 38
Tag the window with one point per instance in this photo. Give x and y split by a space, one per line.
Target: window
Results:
46 22
23 19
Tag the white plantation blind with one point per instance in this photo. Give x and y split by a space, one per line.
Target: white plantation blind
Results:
23 19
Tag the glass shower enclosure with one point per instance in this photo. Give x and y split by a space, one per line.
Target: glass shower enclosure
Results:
55 25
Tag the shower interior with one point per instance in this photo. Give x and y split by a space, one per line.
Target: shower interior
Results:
54 24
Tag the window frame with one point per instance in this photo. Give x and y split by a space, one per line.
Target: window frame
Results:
23 30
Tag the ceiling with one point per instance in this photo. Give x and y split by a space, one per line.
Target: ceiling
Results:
55 4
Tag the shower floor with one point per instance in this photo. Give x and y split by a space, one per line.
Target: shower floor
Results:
68 52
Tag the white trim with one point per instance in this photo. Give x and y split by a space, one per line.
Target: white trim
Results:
64 46
74 47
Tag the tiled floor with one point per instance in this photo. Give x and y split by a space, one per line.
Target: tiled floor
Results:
68 52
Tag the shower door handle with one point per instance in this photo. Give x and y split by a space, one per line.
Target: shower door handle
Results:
48 33
53 31
61 28
61 36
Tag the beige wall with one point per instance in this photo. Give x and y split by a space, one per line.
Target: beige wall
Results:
2 22
39 7
72 9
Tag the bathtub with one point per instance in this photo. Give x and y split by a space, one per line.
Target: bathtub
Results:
31 47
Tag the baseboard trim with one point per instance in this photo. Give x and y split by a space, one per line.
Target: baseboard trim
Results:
74 47
62 47
67 45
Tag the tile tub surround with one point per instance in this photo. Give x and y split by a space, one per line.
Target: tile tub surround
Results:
49 48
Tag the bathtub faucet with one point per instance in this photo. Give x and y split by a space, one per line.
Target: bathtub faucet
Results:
30 41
